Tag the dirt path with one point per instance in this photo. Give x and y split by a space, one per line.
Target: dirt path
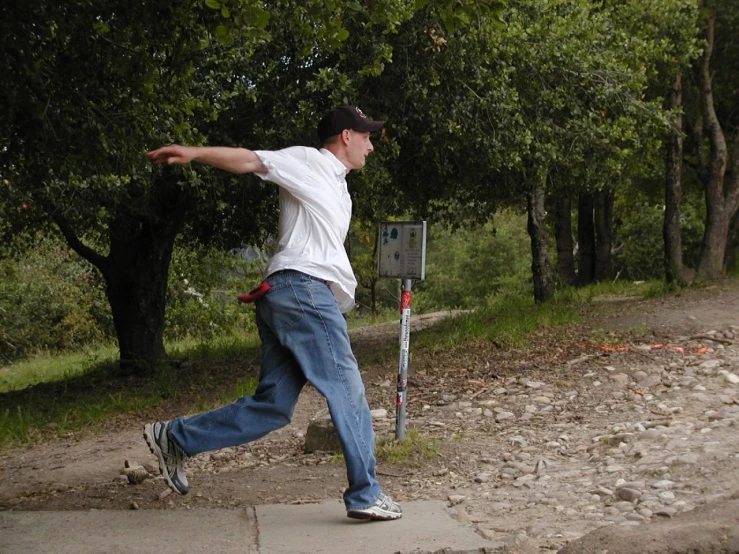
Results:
627 420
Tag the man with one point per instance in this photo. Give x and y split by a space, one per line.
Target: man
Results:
300 322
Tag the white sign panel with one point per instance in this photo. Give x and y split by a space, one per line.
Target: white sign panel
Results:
402 252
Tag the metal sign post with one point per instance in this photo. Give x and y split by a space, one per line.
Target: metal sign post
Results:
402 254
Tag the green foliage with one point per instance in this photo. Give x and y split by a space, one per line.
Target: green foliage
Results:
466 266
50 300
638 238
202 290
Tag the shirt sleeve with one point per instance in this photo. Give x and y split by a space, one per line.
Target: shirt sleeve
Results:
289 169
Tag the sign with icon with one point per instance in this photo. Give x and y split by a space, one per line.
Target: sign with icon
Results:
402 250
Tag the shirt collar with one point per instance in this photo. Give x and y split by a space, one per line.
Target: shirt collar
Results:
337 166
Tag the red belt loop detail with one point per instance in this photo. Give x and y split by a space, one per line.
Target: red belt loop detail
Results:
255 294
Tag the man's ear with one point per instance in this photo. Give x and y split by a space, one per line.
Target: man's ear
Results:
345 136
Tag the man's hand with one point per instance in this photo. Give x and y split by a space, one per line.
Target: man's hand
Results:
172 154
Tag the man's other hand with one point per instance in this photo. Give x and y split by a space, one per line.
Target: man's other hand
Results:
172 154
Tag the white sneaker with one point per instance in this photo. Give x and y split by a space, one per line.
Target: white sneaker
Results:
384 509
169 456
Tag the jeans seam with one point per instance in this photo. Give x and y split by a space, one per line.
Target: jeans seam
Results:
340 370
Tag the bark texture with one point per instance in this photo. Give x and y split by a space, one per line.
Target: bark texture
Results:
563 238
603 225
537 228
673 189
585 239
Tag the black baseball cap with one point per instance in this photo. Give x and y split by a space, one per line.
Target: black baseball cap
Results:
345 117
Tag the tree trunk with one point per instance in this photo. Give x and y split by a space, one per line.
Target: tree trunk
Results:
536 226
721 205
585 240
732 247
138 269
674 272
603 223
563 237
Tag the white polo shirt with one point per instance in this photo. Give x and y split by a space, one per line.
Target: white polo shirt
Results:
315 210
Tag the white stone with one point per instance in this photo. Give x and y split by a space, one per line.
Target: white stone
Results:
732 378
379 413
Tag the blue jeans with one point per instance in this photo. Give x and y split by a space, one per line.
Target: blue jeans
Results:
304 338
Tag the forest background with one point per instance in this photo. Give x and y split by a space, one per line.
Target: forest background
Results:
549 144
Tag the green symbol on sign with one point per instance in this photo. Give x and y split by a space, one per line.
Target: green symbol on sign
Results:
394 233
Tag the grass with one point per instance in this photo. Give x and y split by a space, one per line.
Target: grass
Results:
392 451
49 368
413 446
68 392
81 390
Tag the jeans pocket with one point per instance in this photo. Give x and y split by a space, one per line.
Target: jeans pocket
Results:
283 308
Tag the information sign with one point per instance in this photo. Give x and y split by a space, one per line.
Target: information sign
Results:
402 251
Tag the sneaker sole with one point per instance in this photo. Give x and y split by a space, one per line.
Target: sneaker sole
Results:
373 517
154 448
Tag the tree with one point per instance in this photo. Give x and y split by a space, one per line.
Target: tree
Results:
719 154
550 104
90 87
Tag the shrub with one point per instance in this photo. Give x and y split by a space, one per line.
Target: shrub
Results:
639 236
466 266
202 289
50 300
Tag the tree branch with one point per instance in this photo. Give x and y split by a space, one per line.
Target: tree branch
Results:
99 261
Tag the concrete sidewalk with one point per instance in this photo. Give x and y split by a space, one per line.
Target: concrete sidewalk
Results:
274 529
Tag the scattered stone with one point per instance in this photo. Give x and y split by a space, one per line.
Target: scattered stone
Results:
628 494
732 378
321 437
455 499
667 511
380 413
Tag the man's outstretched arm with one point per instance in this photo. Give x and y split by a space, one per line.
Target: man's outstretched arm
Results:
234 160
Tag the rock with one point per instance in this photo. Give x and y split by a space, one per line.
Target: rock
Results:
667 511
650 381
732 378
691 458
135 475
455 499
380 413
628 494
321 436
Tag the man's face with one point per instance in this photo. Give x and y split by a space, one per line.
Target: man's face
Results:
358 148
